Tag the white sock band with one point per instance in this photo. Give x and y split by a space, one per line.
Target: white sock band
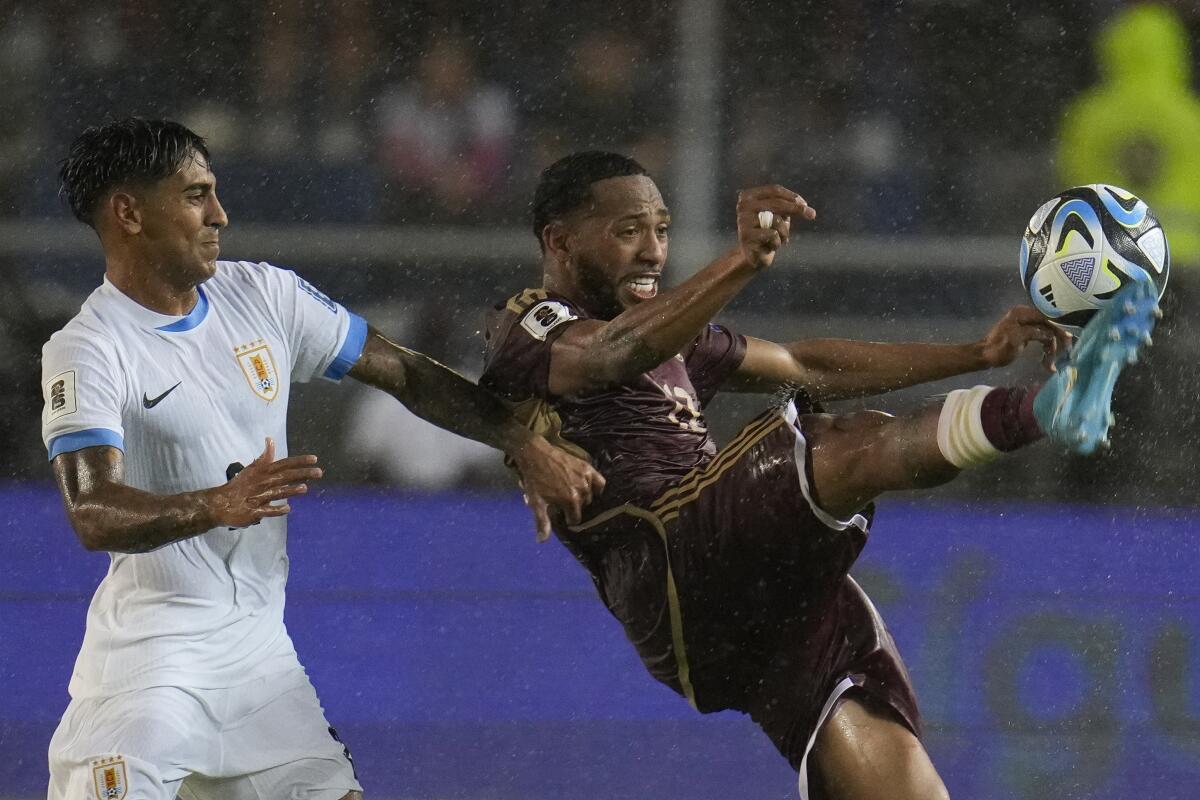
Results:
960 429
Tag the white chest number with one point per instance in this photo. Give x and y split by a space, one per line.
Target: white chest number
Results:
686 413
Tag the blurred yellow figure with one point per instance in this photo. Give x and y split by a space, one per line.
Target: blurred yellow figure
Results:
1140 127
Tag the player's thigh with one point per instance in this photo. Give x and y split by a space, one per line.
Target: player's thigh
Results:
137 745
856 457
278 743
863 752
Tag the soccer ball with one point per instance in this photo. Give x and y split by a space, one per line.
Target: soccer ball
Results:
1084 245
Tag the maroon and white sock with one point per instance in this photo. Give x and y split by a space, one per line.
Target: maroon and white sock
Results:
978 424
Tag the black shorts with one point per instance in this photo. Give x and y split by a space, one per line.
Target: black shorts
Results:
733 586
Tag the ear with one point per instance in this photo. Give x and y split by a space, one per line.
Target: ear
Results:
556 239
126 211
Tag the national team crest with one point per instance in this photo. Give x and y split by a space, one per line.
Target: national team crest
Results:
258 365
109 778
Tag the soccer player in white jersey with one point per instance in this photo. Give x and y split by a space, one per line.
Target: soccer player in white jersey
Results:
176 373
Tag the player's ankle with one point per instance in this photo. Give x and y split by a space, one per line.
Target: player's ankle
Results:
978 424
1008 419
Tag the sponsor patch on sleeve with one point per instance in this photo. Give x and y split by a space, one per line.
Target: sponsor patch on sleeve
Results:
60 395
545 317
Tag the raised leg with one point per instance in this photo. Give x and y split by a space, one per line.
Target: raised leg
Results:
863 752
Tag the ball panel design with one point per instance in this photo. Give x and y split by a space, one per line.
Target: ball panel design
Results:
1082 246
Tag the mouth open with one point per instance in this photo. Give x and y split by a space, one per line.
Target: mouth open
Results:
643 287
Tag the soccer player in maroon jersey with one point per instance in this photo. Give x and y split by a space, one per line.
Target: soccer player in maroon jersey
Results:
729 570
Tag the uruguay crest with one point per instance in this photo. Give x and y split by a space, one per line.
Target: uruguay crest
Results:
258 365
109 778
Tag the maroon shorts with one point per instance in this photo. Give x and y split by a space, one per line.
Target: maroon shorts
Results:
733 585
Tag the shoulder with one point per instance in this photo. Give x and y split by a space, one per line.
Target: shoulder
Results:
535 312
262 278
85 337
244 274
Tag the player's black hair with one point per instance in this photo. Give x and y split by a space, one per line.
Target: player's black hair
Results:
566 184
130 150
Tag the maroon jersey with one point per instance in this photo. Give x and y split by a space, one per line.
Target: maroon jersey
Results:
641 435
728 579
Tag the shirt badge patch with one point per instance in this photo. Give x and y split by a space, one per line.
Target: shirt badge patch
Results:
258 365
545 317
108 775
60 395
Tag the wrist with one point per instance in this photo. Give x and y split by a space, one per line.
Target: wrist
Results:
208 507
977 356
524 443
738 260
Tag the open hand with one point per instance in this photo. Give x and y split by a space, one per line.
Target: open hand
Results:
250 494
1016 329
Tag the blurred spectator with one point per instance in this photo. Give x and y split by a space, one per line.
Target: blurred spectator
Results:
24 62
612 98
446 139
1139 128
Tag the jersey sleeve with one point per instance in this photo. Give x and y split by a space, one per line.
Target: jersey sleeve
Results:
325 339
519 336
712 358
82 394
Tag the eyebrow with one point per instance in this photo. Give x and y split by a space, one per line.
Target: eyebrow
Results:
660 214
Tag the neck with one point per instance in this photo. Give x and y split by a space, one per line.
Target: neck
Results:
554 281
147 287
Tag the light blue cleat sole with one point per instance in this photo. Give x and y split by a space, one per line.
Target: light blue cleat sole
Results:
1073 407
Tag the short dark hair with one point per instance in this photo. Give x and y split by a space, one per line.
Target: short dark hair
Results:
128 150
566 184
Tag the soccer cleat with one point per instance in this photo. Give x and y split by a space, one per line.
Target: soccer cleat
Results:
1072 408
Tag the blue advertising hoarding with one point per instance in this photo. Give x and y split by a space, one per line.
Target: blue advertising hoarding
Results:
1053 649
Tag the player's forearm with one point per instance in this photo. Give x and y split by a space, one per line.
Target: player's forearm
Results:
121 519
438 394
837 368
646 335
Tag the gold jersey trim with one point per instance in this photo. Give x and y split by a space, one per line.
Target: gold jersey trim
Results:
519 303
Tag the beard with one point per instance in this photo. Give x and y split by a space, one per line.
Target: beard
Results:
600 293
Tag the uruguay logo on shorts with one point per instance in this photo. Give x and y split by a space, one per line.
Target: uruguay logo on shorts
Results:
258 365
108 776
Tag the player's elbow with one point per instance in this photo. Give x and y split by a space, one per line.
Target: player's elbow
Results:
94 529
93 536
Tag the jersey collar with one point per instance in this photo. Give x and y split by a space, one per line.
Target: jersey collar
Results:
148 318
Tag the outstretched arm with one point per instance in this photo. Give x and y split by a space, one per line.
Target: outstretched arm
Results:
442 396
107 514
591 354
833 369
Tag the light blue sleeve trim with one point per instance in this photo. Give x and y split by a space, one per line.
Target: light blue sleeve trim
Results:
92 437
352 347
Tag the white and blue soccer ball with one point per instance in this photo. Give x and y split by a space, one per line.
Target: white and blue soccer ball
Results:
1081 247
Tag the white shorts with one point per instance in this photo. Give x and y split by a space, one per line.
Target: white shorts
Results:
265 739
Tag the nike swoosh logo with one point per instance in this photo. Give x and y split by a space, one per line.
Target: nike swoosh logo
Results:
148 403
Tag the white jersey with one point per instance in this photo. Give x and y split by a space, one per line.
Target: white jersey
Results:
185 399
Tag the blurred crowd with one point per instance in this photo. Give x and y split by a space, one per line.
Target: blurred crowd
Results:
927 115
940 117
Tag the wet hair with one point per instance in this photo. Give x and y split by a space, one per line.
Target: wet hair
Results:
126 151
566 184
